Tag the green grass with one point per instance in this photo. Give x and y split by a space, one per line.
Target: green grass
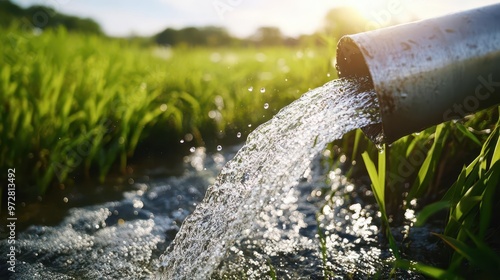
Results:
415 169
75 104
378 176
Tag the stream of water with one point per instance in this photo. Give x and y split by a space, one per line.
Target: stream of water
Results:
276 208
275 156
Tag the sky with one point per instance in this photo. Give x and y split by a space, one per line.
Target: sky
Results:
241 17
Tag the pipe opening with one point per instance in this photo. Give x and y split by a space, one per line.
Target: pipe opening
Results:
351 63
350 60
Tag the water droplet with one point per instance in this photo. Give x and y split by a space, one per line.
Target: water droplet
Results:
404 95
245 177
219 148
249 125
250 89
163 107
343 158
182 141
262 90
328 74
266 106
188 137
192 149
380 147
212 114
238 134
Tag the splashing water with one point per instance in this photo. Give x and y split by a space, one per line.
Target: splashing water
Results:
274 157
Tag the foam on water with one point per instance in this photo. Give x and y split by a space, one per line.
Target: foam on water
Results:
263 172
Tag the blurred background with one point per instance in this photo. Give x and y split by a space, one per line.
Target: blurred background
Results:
242 18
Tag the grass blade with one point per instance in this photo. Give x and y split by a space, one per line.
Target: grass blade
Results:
427 170
486 206
430 210
468 134
431 271
372 173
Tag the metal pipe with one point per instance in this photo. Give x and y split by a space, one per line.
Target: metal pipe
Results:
429 71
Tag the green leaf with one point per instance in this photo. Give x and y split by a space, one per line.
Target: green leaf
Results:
428 168
486 206
467 133
483 258
381 173
430 210
496 153
357 139
372 173
465 206
460 247
454 192
486 252
431 271
378 183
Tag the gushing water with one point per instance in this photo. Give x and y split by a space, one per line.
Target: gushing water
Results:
274 157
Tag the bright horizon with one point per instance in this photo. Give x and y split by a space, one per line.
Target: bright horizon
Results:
240 17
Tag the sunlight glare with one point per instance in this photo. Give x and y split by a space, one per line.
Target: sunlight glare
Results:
367 7
380 13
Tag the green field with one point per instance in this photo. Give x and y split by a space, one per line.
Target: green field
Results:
82 105
75 103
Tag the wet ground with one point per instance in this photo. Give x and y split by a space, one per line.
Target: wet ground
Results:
325 228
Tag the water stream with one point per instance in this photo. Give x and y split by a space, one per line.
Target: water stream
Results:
276 208
275 156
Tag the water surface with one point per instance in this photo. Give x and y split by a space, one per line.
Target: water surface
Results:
262 173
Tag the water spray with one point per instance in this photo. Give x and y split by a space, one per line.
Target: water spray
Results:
427 72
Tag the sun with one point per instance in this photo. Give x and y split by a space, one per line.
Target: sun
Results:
379 13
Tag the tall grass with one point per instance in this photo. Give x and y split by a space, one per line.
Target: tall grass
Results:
73 104
471 200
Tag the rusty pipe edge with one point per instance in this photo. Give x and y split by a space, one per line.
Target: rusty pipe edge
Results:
429 71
